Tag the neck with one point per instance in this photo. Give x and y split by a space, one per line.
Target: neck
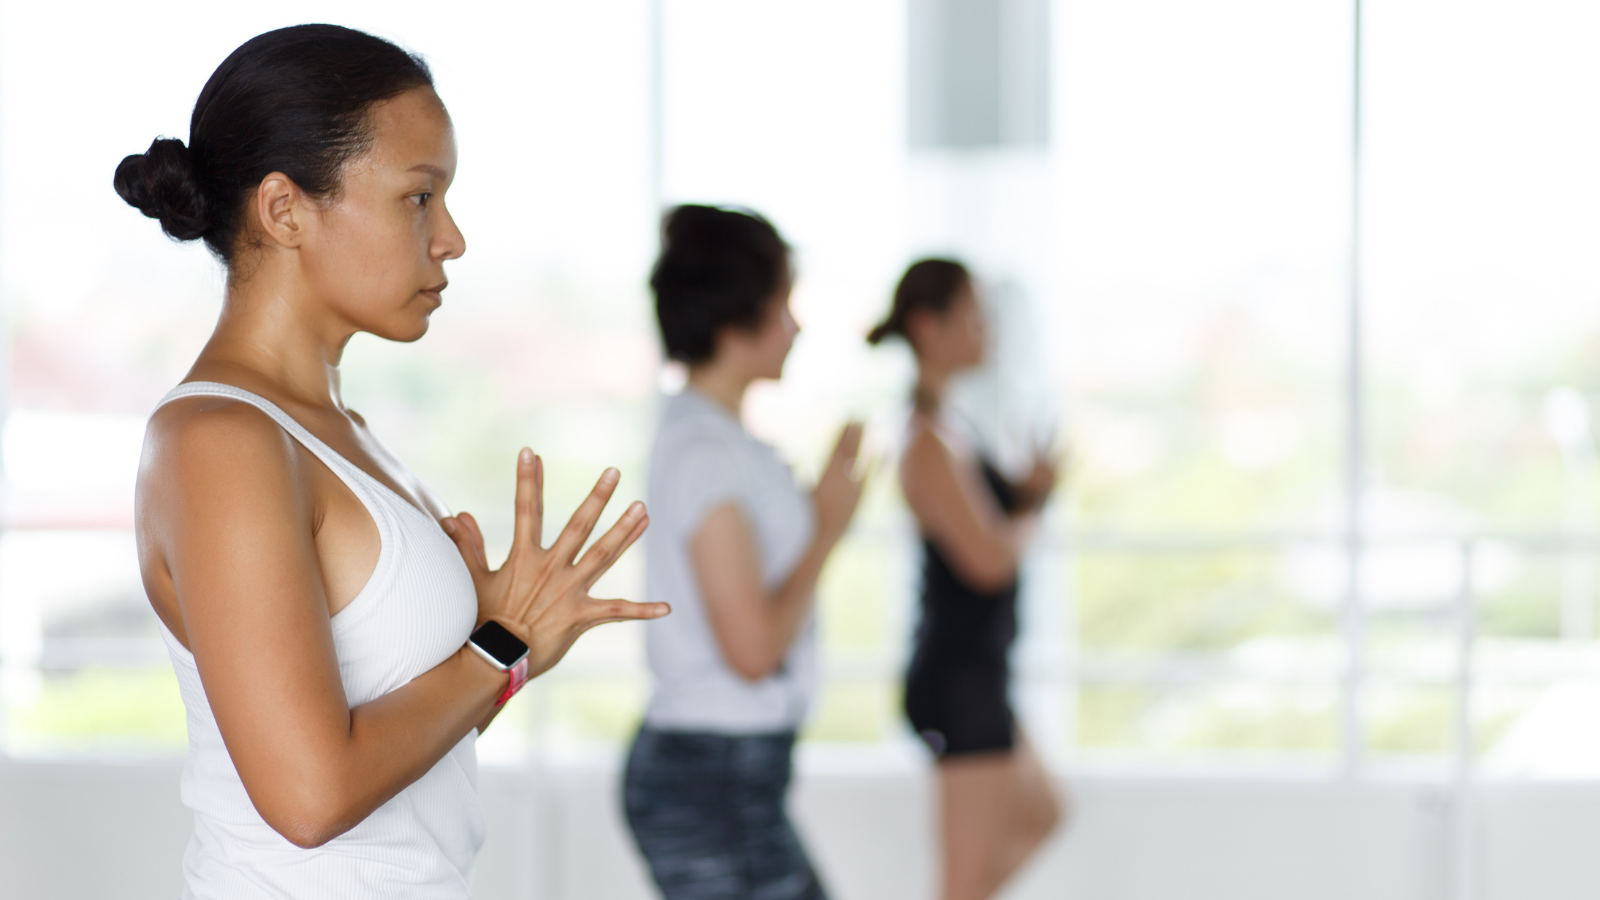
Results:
268 336
932 382
721 383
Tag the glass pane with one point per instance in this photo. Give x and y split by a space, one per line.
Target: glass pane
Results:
1406 720
849 710
1237 720
1539 594
1481 275
95 711
82 664
1245 603
1539 730
1201 190
573 709
1413 646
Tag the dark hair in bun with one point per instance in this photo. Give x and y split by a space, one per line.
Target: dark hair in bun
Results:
294 101
930 284
717 268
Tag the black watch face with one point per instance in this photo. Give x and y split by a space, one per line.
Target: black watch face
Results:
493 639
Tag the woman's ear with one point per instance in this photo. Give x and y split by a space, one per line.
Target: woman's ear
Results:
281 210
918 322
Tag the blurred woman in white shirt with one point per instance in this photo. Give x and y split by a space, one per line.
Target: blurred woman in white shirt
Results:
736 548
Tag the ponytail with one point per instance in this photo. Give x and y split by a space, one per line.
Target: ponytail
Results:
929 284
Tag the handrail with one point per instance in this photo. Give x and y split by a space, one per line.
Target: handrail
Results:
1202 667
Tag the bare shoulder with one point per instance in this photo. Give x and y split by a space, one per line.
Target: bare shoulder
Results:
214 471
203 424
926 452
206 438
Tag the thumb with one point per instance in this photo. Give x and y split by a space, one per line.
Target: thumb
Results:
468 543
849 444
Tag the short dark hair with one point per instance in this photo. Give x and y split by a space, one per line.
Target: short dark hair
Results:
929 284
717 268
295 101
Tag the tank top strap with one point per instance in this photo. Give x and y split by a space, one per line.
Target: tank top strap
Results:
348 472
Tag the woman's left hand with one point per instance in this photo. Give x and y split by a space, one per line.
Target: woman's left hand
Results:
1041 481
542 594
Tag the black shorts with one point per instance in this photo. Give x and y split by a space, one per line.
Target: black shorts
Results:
962 708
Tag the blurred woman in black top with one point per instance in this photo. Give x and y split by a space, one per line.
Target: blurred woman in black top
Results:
997 803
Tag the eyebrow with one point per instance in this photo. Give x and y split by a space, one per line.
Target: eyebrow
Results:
429 168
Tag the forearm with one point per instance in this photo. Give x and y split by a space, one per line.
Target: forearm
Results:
787 610
393 741
489 719
1019 532
989 560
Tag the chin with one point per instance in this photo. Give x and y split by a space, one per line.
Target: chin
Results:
403 333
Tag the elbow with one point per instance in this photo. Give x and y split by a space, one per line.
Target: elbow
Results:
308 835
998 580
989 575
308 831
753 665
753 670
310 820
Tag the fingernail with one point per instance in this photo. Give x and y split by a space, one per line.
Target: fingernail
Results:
449 526
611 474
525 457
635 509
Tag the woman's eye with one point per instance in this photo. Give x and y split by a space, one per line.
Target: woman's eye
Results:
422 199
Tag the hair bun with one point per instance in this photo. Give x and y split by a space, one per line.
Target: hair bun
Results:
162 183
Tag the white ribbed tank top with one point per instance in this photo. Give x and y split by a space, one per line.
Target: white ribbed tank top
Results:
416 610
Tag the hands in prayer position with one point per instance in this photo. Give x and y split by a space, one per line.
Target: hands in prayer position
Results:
542 594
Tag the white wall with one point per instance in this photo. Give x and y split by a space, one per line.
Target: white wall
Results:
93 831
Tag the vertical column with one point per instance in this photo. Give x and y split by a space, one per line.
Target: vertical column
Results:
657 88
5 410
1463 884
1354 614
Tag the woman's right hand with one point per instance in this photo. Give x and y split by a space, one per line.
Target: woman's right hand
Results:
838 491
542 594
1042 479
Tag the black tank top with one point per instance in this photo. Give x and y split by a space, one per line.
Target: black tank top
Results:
961 624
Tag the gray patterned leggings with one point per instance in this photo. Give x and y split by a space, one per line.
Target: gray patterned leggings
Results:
708 813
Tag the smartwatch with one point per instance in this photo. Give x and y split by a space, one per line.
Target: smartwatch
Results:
503 650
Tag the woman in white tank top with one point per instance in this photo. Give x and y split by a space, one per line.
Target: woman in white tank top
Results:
315 598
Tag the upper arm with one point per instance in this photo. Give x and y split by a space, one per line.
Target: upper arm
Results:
955 512
727 566
698 491
232 514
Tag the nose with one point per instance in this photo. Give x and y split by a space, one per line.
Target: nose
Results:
448 241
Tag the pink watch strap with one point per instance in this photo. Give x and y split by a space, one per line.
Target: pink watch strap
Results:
519 677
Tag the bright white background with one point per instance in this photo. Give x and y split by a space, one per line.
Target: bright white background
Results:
1170 279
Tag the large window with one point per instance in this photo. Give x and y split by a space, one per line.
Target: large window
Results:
1174 265
1480 231
1202 169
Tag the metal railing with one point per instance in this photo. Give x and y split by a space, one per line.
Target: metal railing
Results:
1462 860
1460 610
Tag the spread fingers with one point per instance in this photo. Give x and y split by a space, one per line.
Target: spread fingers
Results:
528 522
611 545
584 518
